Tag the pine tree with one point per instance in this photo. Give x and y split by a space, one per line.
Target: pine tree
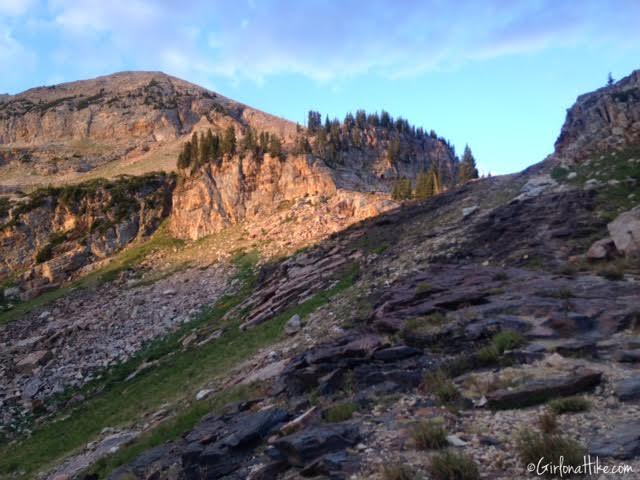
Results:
401 189
467 170
610 80
228 143
275 147
314 121
394 150
424 185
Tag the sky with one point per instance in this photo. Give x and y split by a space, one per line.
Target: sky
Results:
496 74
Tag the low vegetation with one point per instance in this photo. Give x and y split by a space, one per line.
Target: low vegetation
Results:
429 435
441 385
532 446
174 378
340 412
616 176
398 471
548 422
450 465
569 405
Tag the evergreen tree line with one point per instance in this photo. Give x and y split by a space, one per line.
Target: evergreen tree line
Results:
211 148
362 130
429 183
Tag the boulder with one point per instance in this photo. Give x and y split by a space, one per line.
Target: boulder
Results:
622 443
628 356
539 391
628 389
625 231
28 363
294 325
602 249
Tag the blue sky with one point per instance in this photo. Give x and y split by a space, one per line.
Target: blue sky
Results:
497 74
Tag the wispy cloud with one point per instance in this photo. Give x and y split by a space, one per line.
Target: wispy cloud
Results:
318 39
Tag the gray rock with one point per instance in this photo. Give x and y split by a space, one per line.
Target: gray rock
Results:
12 293
294 325
302 447
628 356
602 249
625 231
539 391
622 443
628 389
469 211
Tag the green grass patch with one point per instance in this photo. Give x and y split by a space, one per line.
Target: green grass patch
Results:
616 172
340 412
170 429
569 405
507 340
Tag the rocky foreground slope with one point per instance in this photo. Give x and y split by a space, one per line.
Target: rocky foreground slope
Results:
461 337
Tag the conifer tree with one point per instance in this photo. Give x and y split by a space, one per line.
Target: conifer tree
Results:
228 143
401 189
275 147
424 185
467 170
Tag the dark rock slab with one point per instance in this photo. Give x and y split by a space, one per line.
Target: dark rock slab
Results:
622 443
628 389
539 391
336 465
303 447
393 354
628 356
578 348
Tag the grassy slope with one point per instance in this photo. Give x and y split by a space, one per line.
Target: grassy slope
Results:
613 167
175 378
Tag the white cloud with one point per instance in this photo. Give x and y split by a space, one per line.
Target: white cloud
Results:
318 39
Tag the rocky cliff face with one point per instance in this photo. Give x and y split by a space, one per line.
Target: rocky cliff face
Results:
46 237
246 188
77 126
602 121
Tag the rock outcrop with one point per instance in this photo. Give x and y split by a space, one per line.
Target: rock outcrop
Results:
54 232
602 121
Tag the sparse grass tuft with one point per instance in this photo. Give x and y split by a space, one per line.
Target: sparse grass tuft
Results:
429 435
569 405
398 471
533 446
507 340
612 274
340 412
441 386
450 465
548 422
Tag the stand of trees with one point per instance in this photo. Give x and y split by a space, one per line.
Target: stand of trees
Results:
210 148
